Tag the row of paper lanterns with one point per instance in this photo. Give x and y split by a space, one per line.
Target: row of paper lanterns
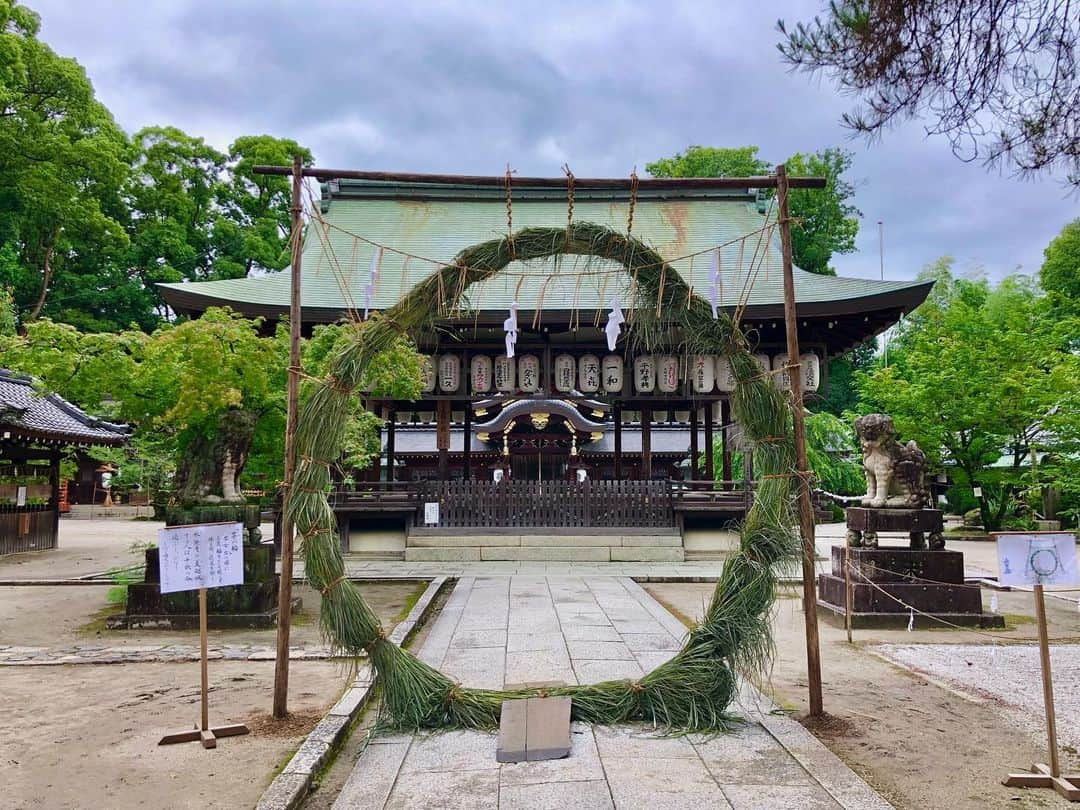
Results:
591 374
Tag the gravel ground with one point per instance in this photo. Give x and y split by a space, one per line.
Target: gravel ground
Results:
1007 675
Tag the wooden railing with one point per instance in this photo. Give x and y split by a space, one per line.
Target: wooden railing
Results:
27 528
548 504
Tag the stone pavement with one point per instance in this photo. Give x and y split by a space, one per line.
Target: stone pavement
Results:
498 631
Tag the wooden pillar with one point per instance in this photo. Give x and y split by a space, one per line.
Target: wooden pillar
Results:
617 416
646 442
693 442
292 398
466 439
54 479
442 437
725 457
802 480
709 469
390 442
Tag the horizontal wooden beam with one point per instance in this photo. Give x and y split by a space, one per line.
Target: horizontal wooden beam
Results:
765 181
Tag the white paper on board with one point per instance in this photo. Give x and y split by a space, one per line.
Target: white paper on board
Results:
1037 558
20 496
201 556
431 512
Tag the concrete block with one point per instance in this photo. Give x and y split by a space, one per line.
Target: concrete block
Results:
647 554
376 540
442 554
710 540
574 540
564 554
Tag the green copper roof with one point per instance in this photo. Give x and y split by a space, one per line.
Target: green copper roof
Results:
433 223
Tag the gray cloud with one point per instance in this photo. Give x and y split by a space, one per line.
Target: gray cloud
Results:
466 87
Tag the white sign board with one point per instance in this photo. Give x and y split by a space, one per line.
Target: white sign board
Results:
431 512
20 496
201 556
1037 558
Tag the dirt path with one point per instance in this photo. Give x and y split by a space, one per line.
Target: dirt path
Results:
921 745
86 736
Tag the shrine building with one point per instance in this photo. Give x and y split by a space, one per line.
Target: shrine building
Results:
567 438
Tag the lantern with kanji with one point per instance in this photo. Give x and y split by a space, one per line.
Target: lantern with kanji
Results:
449 373
667 374
613 373
565 373
644 374
529 373
589 373
481 373
427 374
725 376
783 374
811 371
702 373
505 373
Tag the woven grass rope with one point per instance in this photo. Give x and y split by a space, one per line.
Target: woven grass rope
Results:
693 690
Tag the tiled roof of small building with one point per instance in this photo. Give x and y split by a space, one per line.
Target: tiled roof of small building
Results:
28 414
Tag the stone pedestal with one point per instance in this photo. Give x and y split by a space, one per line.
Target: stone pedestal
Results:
250 605
930 581
921 525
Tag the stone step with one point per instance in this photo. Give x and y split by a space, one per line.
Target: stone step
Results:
482 540
564 553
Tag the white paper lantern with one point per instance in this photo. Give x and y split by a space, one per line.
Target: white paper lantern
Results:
667 374
589 373
427 374
783 375
480 368
644 374
811 371
449 373
565 373
613 373
764 361
725 377
505 373
529 373
703 373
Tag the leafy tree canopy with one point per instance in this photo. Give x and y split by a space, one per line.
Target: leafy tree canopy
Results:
999 80
1060 271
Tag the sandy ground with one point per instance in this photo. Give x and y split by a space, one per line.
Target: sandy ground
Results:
919 743
86 736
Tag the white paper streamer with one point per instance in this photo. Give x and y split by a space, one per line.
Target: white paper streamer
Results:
911 619
614 320
373 275
510 326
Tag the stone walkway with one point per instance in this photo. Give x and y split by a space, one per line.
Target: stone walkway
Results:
12 656
498 631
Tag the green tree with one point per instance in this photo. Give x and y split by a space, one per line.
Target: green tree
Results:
825 220
64 162
251 230
1060 271
972 375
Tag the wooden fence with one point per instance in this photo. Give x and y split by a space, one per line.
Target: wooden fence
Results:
27 528
547 504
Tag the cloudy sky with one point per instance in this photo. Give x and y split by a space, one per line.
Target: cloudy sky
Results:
465 87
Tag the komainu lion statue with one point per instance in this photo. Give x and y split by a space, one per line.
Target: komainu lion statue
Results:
894 471
894 477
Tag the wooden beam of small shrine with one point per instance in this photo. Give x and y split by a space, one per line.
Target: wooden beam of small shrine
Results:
764 181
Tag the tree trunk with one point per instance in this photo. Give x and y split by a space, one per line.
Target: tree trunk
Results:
46 277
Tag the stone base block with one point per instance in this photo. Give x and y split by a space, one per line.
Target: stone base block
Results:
548 553
897 564
647 554
471 554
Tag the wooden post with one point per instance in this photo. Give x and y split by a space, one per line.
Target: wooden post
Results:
466 442
693 441
442 437
1047 683
847 588
281 661
725 453
646 443
710 470
806 509
390 442
617 415
205 682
